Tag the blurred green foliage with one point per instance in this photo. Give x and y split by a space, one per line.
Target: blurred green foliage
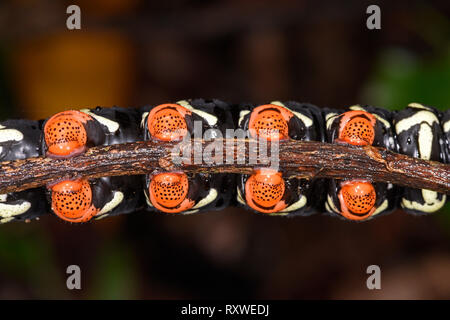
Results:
400 77
26 254
115 274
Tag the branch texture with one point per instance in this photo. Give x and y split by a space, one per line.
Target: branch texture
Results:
303 159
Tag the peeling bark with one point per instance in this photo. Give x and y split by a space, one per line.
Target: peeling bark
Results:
303 159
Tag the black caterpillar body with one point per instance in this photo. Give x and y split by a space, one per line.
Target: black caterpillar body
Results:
417 130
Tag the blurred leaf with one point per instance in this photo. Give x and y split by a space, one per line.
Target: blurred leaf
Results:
400 78
115 274
444 218
26 254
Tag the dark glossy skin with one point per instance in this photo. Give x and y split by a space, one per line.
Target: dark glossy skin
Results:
129 124
129 129
384 135
420 125
130 186
292 120
28 147
408 140
176 192
21 149
39 206
123 126
351 196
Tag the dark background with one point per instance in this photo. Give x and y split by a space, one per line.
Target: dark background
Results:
131 53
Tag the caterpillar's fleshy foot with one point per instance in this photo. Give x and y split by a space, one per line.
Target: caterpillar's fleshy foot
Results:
357 199
357 128
169 192
66 134
270 122
167 122
264 191
72 200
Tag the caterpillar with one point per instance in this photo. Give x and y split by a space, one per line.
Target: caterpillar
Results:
418 130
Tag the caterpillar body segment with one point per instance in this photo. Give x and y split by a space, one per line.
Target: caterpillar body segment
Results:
419 134
354 199
104 196
69 133
119 195
266 190
119 125
422 201
24 205
215 116
177 192
19 139
82 200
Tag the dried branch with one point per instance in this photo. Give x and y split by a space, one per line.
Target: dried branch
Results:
304 159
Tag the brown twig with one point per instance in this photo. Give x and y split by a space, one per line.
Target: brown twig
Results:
304 159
